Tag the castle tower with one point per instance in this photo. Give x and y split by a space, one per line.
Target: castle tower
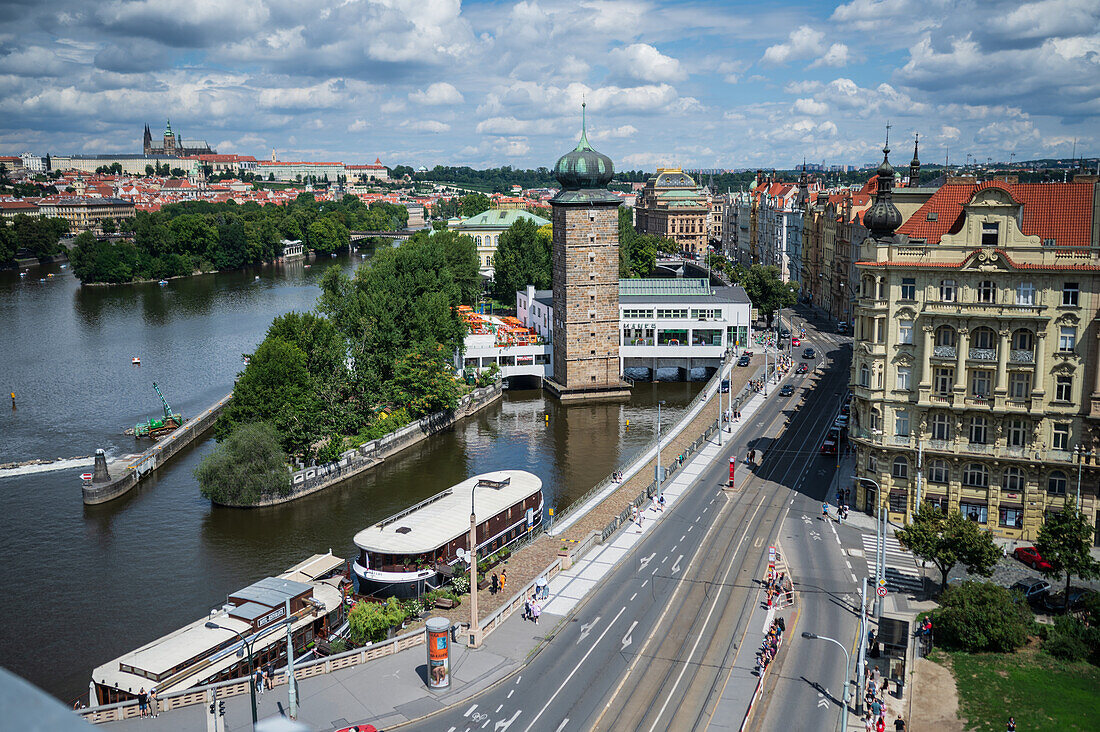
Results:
169 140
585 216
147 141
914 164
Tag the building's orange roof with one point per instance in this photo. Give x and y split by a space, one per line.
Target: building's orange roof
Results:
1058 211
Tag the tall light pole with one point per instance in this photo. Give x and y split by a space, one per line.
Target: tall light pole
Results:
1080 456
475 629
847 675
251 671
720 365
658 474
880 551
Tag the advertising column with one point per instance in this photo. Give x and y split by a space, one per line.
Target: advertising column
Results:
439 647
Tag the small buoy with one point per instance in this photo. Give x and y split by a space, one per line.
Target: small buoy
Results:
22 274
135 361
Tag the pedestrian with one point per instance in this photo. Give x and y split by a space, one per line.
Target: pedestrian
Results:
536 611
503 578
880 725
494 584
661 502
527 606
1011 724
143 702
259 680
899 724
876 708
154 708
868 722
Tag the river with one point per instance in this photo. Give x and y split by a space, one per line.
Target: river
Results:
88 583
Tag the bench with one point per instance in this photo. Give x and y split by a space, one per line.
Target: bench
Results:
444 603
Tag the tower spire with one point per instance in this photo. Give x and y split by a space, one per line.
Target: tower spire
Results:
584 144
914 165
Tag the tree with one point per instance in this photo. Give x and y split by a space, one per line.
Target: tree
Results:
522 258
768 292
243 469
109 225
473 204
1064 541
948 539
423 381
982 616
369 622
150 170
39 236
327 234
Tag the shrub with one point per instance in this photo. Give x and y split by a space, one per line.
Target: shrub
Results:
369 622
981 616
461 583
1071 640
249 465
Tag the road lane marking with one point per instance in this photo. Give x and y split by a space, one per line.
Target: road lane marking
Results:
587 627
510 692
469 711
644 561
518 678
633 596
676 565
645 583
562 725
690 528
664 559
627 639
683 537
847 564
498 709
853 576
505 724
574 671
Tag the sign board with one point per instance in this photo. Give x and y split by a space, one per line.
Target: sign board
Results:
882 583
882 592
439 661
733 466
85 476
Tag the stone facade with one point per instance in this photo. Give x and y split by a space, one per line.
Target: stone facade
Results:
976 354
673 206
586 295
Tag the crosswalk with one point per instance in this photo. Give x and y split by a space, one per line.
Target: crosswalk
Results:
901 568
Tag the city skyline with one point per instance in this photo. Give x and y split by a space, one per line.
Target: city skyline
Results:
700 84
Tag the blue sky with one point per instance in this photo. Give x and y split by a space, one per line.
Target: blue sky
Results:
698 84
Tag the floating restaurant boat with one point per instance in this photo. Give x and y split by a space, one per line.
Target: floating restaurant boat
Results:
196 654
414 551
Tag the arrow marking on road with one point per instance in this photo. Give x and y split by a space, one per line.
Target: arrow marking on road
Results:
822 702
646 560
587 627
627 640
676 565
505 724
815 536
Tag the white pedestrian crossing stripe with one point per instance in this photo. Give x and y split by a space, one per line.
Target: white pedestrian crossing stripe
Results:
901 568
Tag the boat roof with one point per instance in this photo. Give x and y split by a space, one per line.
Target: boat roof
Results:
446 516
195 639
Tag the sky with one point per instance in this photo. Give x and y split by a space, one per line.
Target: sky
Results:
667 83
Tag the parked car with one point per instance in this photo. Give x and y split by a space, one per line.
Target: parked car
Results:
744 360
725 386
1057 603
358 728
1033 589
802 368
828 446
809 353
845 409
786 391
841 421
1029 555
750 354
841 327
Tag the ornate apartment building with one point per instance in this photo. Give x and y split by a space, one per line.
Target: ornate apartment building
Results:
673 205
974 373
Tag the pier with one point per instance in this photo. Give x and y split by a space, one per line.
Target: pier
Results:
112 481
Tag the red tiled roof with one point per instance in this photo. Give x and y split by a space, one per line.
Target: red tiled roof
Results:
974 253
1059 211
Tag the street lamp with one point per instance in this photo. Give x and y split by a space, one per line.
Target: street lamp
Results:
475 629
658 476
880 551
847 674
1080 455
251 672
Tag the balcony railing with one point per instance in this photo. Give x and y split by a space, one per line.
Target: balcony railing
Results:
941 445
941 398
977 448
983 354
944 351
900 440
1017 355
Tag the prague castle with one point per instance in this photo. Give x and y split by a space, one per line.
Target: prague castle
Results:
175 146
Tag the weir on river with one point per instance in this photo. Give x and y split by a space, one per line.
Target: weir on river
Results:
108 578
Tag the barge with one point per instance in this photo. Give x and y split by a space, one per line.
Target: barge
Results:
415 551
198 654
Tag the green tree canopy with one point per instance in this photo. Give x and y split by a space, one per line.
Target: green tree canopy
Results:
39 236
473 204
9 244
947 540
1064 541
327 234
522 258
423 381
246 467
768 292
982 616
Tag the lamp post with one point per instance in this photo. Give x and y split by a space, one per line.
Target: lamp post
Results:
1079 455
475 629
847 674
658 474
880 551
251 672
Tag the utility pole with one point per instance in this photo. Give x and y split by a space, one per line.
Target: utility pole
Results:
475 629
862 646
658 474
920 473
881 559
292 692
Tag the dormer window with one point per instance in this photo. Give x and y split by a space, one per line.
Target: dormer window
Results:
990 233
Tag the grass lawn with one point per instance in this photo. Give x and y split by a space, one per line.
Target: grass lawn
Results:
1041 692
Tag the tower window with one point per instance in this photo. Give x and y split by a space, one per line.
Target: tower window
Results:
990 233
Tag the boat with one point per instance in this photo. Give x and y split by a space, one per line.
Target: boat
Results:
135 361
156 428
205 651
418 549
162 283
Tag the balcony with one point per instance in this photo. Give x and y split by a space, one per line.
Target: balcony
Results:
975 448
936 398
978 401
900 441
941 445
1021 356
983 354
972 309
944 352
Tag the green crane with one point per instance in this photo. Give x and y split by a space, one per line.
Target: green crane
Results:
157 428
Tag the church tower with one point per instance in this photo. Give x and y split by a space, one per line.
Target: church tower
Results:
147 141
914 165
585 256
169 140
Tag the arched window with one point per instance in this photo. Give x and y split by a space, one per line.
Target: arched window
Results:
987 291
1013 480
477 239
901 468
864 375
975 475
1056 483
983 338
938 471
945 336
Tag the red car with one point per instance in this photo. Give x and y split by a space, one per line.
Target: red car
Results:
802 368
1030 556
795 342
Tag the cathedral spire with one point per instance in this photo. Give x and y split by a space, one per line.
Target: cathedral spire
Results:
883 218
914 165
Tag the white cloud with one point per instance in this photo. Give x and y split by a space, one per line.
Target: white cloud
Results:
811 107
803 42
441 93
948 133
614 133
426 125
357 126
644 62
837 55
513 126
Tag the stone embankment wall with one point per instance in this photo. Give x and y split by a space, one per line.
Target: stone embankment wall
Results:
155 457
318 477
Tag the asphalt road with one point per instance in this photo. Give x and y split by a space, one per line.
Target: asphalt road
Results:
652 645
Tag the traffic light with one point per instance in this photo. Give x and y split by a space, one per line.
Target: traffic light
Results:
221 707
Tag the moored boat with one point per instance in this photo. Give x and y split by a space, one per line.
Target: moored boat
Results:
414 551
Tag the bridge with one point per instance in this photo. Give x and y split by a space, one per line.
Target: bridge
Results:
401 235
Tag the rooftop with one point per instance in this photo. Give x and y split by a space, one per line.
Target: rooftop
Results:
447 516
498 218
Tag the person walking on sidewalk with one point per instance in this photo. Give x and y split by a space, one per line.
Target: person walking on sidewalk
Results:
494 584
899 724
503 578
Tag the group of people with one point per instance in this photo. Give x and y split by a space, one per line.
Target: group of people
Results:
875 717
770 645
775 586
532 608
264 678
617 476
497 584
147 702
785 364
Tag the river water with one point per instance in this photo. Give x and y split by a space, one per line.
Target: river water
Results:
88 583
